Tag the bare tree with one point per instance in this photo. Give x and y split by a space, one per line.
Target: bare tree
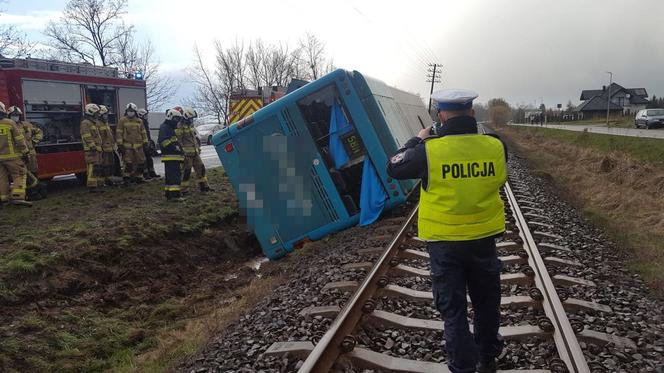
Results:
209 96
89 31
231 66
159 88
14 43
313 56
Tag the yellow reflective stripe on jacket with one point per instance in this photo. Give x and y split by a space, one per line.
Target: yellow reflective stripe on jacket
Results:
172 157
169 141
462 200
7 150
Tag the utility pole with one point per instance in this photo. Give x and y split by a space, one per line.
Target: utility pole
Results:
608 97
433 77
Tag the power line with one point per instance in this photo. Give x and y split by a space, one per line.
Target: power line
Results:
433 77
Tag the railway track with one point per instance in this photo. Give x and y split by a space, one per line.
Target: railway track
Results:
531 256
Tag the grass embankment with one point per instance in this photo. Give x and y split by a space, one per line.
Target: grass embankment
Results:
616 181
623 122
120 281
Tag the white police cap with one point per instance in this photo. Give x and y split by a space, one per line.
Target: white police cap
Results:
454 99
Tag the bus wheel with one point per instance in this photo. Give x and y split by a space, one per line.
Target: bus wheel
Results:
81 177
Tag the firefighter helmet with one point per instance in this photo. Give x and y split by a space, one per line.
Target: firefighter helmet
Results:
142 112
103 109
179 108
91 109
14 110
131 106
173 114
189 113
2 108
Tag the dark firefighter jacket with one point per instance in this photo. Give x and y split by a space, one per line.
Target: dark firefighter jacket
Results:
168 143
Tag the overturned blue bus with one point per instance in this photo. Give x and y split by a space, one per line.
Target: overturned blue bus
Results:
313 162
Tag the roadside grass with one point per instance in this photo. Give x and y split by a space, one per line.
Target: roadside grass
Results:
649 150
616 182
622 122
54 317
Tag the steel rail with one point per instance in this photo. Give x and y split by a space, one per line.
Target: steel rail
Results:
328 349
564 337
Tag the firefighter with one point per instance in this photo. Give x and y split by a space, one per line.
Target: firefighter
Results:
107 146
132 140
149 172
172 155
13 154
33 135
92 146
192 153
460 215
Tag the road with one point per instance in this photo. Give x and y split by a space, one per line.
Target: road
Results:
601 128
208 155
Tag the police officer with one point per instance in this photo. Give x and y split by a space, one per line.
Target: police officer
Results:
132 139
190 144
149 172
172 155
460 214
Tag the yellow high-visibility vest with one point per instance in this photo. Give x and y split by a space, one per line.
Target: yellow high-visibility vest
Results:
462 200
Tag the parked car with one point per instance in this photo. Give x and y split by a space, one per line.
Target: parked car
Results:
206 131
649 118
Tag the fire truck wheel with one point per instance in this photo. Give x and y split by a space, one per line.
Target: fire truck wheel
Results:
81 177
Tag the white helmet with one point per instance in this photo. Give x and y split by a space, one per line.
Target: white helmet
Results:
131 106
189 113
103 109
2 108
14 110
142 112
172 114
91 109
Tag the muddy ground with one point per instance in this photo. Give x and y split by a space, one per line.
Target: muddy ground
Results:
106 282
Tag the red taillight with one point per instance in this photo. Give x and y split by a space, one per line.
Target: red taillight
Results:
228 147
393 186
395 193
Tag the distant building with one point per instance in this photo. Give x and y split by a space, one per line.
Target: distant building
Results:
624 101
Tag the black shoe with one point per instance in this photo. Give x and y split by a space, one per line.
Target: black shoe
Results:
486 366
147 176
138 180
96 190
20 202
154 175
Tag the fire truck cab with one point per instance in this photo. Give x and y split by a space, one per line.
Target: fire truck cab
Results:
52 95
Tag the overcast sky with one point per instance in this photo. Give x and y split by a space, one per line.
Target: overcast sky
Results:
522 50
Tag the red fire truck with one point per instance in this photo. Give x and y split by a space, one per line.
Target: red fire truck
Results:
52 95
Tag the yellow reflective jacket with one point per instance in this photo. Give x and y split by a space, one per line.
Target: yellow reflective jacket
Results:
131 133
187 139
107 140
90 135
12 140
462 201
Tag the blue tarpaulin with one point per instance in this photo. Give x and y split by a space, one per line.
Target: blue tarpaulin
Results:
372 195
339 125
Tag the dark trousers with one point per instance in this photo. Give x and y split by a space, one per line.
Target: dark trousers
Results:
149 163
172 179
455 267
